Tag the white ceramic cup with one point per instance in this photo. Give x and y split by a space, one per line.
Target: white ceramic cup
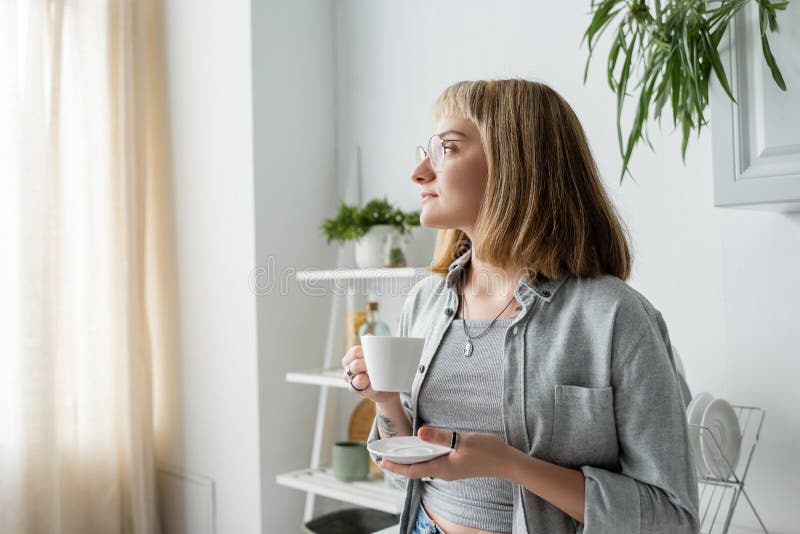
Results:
391 361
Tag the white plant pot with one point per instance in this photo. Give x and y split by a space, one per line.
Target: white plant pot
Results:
370 249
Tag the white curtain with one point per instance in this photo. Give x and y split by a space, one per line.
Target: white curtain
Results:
84 223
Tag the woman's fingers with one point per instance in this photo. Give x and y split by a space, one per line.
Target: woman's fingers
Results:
353 353
357 366
355 369
360 381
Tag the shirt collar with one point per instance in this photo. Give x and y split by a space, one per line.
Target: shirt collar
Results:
525 290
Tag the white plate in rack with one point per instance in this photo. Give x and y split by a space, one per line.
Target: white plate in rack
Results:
694 416
721 421
407 449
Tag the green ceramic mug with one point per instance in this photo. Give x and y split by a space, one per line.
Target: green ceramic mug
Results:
350 460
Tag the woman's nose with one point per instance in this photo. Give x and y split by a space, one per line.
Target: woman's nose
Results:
423 172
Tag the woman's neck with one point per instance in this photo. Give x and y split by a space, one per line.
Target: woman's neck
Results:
484 278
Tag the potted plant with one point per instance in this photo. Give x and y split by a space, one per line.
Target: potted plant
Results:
378 224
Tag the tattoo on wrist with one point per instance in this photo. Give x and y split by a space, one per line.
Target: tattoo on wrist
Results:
385 427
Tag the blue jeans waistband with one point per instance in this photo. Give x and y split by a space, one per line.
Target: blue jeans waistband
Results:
425 524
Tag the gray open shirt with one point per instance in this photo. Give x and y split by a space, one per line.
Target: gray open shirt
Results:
589 383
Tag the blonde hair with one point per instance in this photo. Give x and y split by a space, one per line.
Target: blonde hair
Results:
545 206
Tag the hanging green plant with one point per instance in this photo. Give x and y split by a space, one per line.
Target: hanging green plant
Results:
668 53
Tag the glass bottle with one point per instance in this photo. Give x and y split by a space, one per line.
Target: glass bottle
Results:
354 320
394 253
373 324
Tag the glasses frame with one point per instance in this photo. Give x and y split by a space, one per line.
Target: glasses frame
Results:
423 153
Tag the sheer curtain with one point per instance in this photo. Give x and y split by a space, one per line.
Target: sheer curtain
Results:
85 226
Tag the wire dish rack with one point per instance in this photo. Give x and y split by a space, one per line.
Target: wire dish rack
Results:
718 496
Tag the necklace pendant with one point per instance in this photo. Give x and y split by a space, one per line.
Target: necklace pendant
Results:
468 349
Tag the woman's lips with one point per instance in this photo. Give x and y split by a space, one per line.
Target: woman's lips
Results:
426 196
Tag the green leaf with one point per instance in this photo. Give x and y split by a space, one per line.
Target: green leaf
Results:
613 54
602 16
772 19
762 22
713 56
621 87
675 82
662 91
686 124
773 67
593 36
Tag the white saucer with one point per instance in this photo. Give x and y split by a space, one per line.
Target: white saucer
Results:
407 449
694 416
721 421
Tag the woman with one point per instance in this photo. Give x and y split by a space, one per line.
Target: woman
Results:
552 378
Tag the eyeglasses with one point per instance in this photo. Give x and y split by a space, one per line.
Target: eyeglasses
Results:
435 152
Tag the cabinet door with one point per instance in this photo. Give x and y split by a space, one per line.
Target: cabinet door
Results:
756 143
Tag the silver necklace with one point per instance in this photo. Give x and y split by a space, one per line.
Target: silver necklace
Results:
469 346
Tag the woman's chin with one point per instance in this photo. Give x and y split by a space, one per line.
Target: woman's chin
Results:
428 222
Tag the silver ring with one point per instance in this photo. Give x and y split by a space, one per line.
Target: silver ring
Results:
454 440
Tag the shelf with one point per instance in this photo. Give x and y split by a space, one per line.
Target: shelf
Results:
372 493
319 377
372 273
346 286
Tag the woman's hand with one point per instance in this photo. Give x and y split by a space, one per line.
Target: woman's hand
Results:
475 455
359 381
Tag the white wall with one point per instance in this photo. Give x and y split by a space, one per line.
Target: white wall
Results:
725 280
212 414
295 186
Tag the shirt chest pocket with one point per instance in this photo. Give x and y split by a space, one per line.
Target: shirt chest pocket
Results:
584 429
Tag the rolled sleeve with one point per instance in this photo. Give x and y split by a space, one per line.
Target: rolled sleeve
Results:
612 502
655 490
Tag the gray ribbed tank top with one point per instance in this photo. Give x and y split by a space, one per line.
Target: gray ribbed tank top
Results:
465 394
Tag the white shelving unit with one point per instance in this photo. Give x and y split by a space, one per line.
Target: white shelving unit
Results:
318 479
318 377
372 493
371 273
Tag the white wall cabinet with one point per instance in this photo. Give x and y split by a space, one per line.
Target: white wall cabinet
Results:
756 142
